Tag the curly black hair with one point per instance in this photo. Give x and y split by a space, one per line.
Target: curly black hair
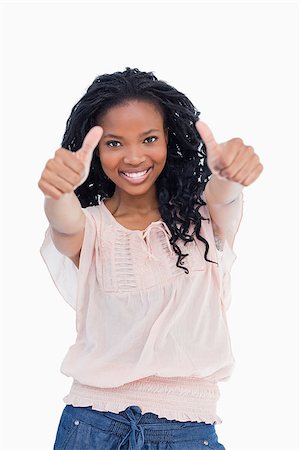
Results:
185 174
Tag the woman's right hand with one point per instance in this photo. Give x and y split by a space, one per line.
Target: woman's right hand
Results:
68 170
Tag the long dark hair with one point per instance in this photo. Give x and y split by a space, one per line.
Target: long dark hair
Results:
183 179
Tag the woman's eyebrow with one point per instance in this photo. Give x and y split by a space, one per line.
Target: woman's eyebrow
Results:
120 137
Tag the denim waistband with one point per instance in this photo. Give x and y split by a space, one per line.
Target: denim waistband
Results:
134 427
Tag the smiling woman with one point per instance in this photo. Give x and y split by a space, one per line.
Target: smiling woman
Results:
127 105
152 338
136 159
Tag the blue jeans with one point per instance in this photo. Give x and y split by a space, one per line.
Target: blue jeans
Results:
82 428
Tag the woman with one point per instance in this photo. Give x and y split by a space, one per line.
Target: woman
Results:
143 207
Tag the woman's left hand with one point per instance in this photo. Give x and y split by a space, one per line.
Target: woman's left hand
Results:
232 159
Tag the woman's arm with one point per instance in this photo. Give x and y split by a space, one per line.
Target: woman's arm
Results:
220 192
65 214
67 222
224 200
233 165
60 177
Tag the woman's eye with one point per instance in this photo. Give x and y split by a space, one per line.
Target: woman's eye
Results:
151 137
111 142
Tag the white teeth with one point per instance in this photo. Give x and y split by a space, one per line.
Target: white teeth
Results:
135 174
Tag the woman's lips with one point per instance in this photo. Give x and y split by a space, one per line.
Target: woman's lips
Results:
136 180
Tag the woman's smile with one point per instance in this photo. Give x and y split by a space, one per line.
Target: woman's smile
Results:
136 177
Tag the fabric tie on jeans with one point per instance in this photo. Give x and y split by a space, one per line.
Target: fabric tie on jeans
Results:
135 435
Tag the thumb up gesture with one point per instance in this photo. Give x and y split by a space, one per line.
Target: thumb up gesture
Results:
68 170
232 159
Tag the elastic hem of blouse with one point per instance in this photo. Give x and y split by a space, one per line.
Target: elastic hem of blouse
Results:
186 402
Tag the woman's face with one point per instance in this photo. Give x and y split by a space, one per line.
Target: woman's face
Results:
134 140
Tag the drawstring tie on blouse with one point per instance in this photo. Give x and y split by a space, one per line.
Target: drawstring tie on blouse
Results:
146 237
134 414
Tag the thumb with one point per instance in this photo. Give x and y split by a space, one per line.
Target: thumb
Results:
89 143
85 153
206 135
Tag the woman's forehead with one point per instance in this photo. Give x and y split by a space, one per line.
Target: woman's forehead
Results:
135 113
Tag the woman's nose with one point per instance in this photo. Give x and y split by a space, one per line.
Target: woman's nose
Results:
134 155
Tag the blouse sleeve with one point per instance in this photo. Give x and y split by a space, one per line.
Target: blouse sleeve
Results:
229 218
63 271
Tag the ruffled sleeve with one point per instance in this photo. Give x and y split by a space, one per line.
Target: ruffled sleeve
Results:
65 275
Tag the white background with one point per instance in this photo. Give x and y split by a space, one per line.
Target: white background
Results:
238 63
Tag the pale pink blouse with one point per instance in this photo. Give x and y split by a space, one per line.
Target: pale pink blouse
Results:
147 333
